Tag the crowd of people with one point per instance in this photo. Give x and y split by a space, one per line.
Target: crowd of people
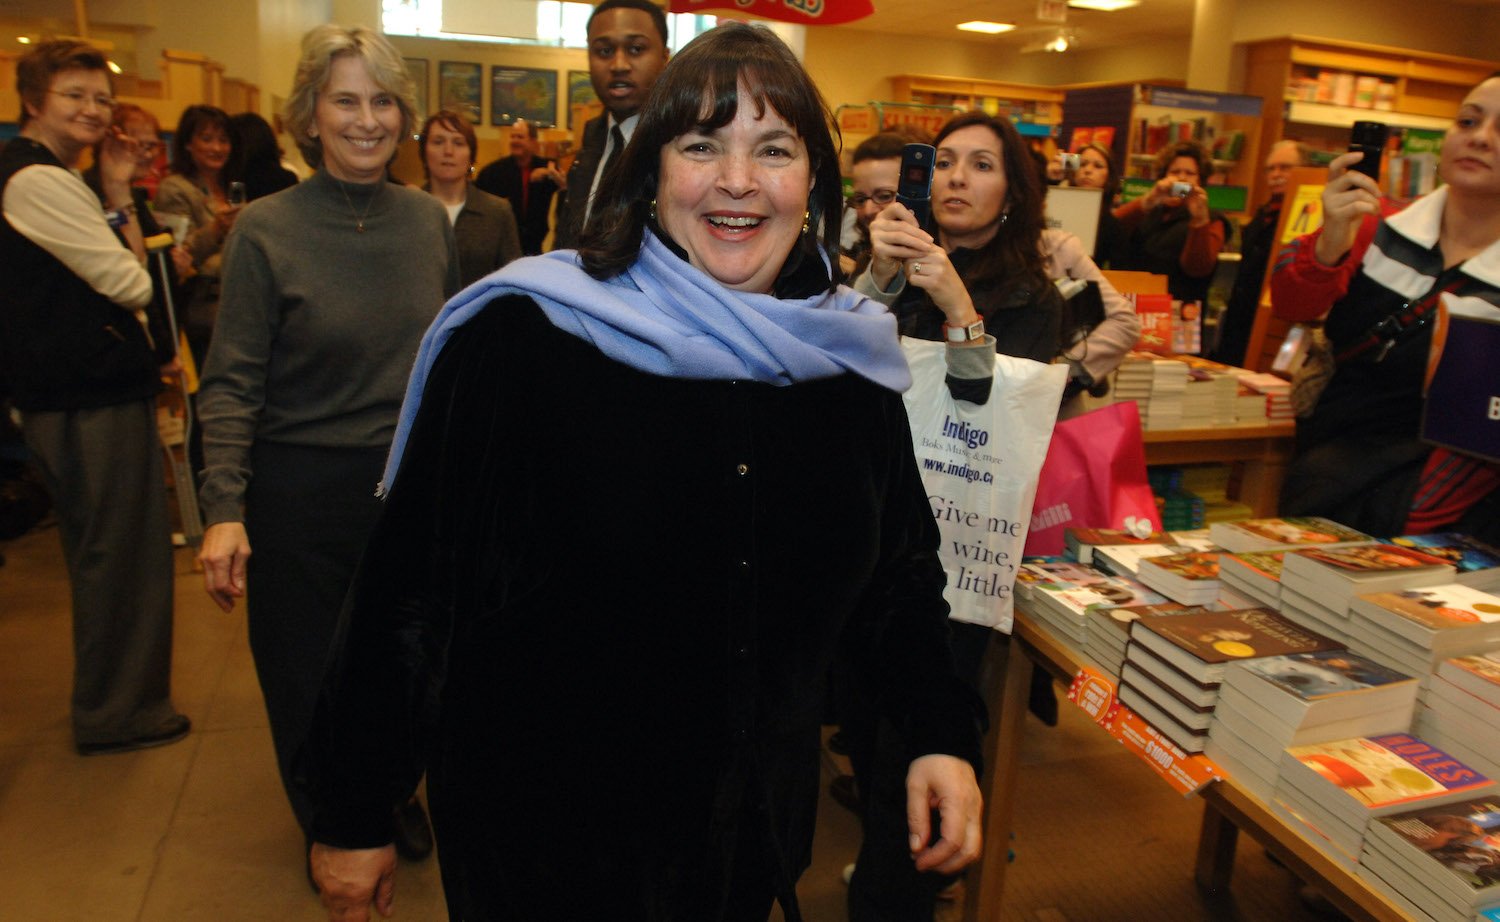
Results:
706 271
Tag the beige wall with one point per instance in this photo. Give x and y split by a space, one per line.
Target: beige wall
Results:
1443 27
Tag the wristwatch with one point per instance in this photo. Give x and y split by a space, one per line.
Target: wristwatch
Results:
966 333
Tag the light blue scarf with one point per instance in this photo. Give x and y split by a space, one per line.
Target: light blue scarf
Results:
665 317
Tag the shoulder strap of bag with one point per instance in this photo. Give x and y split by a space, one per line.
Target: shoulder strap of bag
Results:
1405 320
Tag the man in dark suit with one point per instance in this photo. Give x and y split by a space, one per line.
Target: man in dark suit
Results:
627 50
527 181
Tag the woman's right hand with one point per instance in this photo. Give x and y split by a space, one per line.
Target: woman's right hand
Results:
350 879
1347 198
898 244
225 550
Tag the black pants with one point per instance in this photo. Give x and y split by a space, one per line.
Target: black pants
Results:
308 513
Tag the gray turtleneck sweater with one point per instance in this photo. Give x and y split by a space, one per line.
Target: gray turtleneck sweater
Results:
318 323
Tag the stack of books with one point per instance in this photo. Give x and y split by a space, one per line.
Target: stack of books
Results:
1214 385
1174 665
1080 543
1156 384
1415 629
1109 631
1283 534
1051 571
1478 564
1460 710
1125 559
1267 393
1064 608
1191 578
1332 790
1256 574
1441 864
1317 586
1266 705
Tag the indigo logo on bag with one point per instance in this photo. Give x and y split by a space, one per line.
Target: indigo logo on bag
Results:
965 433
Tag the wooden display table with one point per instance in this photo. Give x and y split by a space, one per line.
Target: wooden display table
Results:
1263 449
1227 808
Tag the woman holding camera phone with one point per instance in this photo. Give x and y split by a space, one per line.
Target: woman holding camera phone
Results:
1359 459
1096 170
1172 230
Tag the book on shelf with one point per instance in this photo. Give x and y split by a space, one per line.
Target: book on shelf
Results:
1265 727
1272 534
1155 314
1065 608
1193 716
1477 563
1476 673
1247 765
1453 851
1460 723
1201 644
1334 576
1318 687
1449 618
1415 897
1256 573
1198 695
1109 630
1081 542
1125 559
1186 738
1231 597
1313 615
1364 777
1191 578
1389 649
1052 571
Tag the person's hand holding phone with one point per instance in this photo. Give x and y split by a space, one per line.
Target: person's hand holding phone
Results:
1348 197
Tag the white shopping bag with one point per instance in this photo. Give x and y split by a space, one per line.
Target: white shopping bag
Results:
980 465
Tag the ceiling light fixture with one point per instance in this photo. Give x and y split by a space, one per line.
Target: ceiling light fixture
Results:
1058 43
24 39
988 28
1103 6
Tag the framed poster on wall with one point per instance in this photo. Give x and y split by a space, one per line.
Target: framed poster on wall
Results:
580 93
460 87
416 68
523 92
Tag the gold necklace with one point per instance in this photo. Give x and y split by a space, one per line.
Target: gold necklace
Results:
359 219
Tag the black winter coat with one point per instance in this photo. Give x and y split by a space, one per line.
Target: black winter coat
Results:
598 610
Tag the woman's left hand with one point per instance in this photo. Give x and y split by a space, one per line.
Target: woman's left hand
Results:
117 160
945 784
1196 203
934 273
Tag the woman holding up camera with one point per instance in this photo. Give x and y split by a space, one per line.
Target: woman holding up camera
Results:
1377 277
987 278
1172 231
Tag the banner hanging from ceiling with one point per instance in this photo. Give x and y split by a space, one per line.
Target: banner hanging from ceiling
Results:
801 12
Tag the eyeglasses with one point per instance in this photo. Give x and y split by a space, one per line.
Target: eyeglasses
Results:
82 99
881 197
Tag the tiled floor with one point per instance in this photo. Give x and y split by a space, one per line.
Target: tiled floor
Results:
199 830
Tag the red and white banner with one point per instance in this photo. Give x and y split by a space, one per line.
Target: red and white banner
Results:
801 12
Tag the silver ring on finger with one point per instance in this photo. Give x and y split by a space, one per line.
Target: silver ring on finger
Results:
916 268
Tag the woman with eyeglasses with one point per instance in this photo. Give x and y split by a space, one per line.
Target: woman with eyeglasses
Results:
81 370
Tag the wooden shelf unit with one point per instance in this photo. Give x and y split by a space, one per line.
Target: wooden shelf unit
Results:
1040 104
1428 89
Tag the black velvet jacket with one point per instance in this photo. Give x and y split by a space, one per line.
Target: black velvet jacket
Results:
598 610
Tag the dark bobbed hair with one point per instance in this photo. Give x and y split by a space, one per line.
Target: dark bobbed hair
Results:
884 146
657 14
1014 254
39 67
255 145
453 122
707 74
1190 149
194 119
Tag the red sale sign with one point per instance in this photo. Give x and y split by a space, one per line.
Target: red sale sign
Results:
802 12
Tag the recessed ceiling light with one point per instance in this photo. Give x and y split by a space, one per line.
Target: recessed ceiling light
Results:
988 28
1104 6
24 39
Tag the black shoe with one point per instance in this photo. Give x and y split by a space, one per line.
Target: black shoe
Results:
413 834
844 792
171 730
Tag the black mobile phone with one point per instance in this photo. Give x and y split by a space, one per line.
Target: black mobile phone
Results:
1369 139
914 189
